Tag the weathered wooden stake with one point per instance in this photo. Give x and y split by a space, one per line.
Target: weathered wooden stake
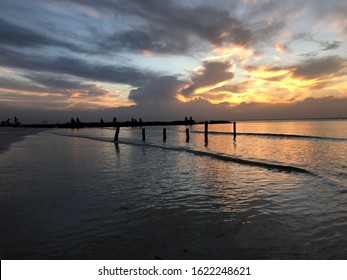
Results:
187 135
143 134
206 132
234 124
116 134
164 134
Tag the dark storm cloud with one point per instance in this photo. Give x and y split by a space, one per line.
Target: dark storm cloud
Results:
213 72
18 36
62 84
74 67
168 27
54 82
155 39
52 86
17 85
213 25
320 67
43 83
157 90
162 27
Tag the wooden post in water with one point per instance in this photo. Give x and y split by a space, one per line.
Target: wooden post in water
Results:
143 134
234 124
164 134
116 134
187 135
206 132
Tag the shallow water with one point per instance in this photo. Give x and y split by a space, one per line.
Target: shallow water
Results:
73 194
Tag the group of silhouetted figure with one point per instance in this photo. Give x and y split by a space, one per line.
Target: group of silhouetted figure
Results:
16 122
135 122
189 121
76 123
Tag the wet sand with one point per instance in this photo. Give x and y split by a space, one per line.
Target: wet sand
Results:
9 135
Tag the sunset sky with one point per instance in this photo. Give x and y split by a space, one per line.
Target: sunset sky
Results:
164 60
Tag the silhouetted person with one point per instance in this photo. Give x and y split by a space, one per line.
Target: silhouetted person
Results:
15 122
73 121
114 120
191 121
102 121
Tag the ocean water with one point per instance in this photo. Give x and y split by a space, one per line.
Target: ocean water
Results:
277 191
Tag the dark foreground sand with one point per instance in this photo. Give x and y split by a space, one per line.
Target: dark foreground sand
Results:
8 135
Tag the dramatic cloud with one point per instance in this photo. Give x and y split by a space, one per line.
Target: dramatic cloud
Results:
320 67
311 68
157 90
168 26
212 58
18 85
62 82
212 74
74 67
18 36
156 40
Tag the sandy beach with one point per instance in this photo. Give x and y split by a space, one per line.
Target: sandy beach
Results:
9 135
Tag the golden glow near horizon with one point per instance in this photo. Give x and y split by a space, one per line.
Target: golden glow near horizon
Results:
211 87
225 53
263 84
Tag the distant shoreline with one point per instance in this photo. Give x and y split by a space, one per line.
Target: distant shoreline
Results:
120 124
160 123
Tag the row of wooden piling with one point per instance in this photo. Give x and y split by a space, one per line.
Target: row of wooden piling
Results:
164 133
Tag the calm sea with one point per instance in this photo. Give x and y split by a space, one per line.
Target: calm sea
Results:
277 191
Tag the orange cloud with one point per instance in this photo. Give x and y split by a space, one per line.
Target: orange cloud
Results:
266 84
148 53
